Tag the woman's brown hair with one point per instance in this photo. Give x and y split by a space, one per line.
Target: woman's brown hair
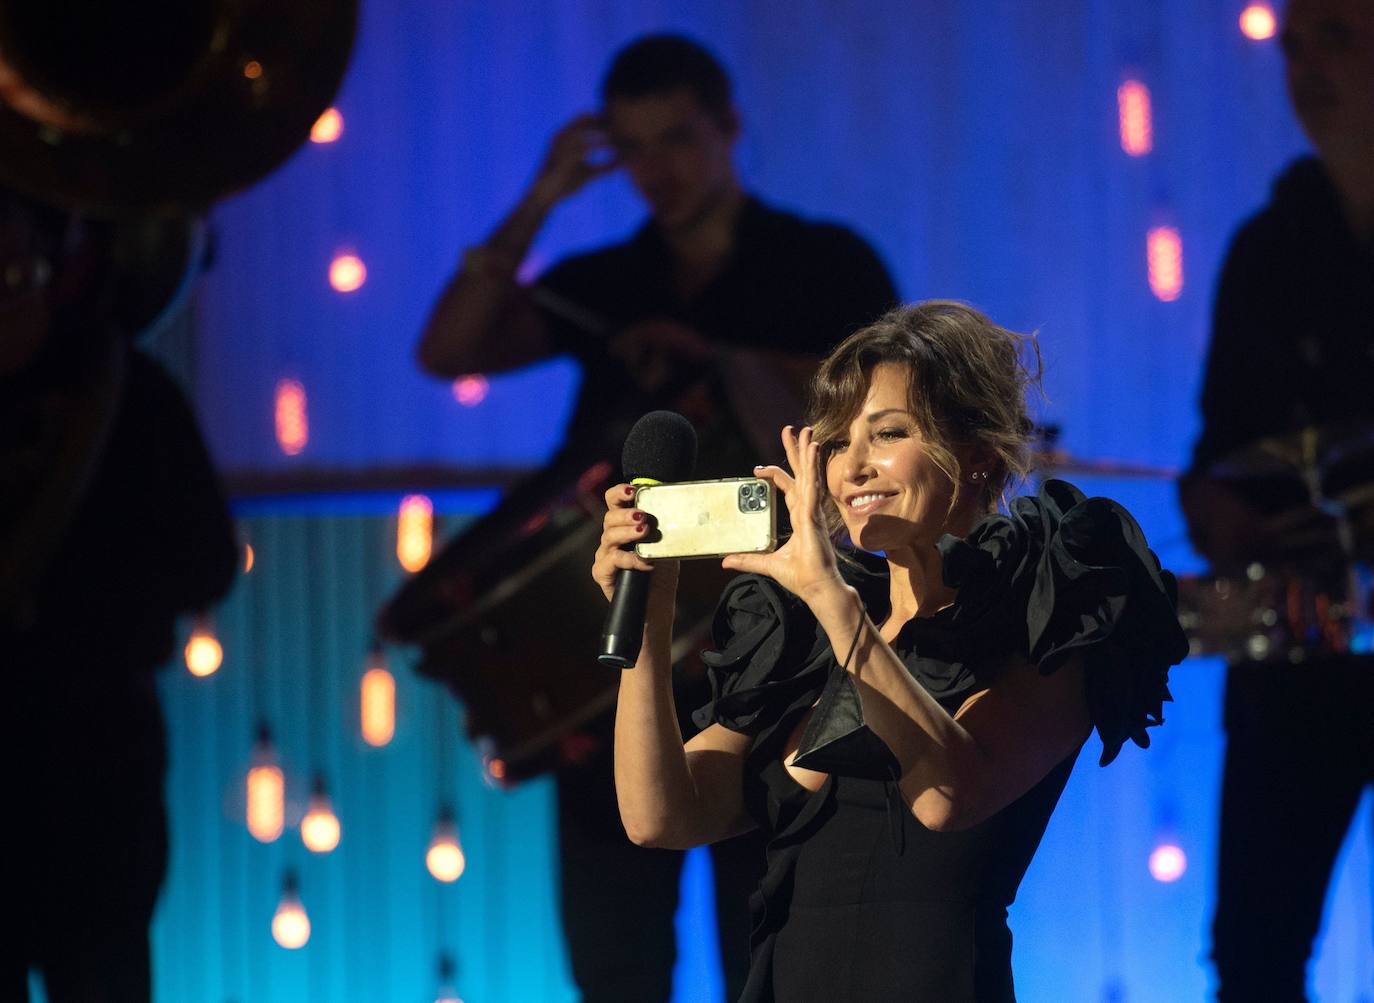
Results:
967 388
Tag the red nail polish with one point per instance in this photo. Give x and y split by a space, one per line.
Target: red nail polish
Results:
637 516
629 489
640 528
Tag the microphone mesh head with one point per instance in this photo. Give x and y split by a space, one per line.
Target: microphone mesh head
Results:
662 446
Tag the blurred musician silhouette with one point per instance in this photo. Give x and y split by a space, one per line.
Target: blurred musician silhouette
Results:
1280 483
112 521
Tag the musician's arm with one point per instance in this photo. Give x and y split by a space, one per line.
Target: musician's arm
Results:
1223 526
484 320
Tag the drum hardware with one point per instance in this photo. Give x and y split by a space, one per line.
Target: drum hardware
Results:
1048 457
1278 615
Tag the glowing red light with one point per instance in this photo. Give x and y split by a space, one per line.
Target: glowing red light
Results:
347 273
1168 862
293 425
1133 112
470 390
1257 22
328 127
1164 256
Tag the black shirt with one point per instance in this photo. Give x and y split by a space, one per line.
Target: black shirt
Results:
1293 327
790 285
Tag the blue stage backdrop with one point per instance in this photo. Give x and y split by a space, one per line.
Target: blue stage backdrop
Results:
979 146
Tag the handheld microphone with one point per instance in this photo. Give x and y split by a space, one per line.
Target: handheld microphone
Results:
661 447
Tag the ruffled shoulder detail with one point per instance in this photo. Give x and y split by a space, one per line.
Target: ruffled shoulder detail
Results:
769 656
1063 575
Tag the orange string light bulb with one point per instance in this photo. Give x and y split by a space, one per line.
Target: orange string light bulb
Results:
1135 118
378 700
414 532
445 858
291 923
292 417
204 655
266 804
1164 262
320 829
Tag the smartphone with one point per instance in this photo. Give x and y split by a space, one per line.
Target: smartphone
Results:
735 515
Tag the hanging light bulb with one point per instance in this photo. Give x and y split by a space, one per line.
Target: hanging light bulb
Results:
445 858
320 828
292 418
290 924
1258 23
447 993
1167 862
378 700
204 655
1164 261
1134 118
266 791
414 532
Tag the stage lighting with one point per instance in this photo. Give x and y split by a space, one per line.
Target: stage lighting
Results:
1135 118
347 273
1164 257
445 858
204 655
378 700
293 426
320 828
470 390
290 925
1168 862
1257 22
328 127
266 788
414 532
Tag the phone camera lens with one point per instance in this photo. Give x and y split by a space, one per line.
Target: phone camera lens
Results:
760 490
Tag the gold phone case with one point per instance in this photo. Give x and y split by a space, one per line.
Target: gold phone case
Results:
735 515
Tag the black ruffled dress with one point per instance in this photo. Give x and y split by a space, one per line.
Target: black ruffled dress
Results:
861 902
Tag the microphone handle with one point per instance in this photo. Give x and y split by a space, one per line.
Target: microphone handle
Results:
620 640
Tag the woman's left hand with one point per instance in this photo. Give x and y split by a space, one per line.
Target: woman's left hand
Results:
805 565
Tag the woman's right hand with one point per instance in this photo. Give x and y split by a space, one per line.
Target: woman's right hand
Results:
624 524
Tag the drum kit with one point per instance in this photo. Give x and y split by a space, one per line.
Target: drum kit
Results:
1304 590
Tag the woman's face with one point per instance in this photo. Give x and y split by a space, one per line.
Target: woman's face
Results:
890 492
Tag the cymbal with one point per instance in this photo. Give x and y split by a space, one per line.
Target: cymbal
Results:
1061 461
1315 449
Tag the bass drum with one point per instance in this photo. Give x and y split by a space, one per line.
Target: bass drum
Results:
508 617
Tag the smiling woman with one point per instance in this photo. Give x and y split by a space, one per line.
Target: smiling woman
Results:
900 727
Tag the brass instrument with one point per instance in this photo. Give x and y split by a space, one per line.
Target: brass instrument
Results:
161 105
